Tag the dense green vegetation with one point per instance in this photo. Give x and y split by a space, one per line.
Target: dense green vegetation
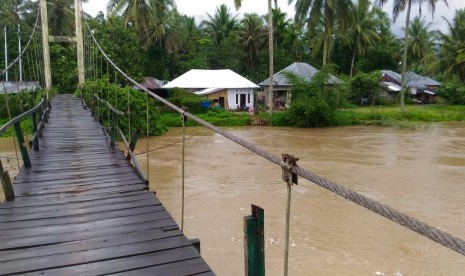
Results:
351 39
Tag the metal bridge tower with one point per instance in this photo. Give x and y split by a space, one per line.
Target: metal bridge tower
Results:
74 39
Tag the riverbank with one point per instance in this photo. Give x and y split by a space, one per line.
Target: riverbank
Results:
377 115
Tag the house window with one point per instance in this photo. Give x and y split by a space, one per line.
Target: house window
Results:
237 98
248 98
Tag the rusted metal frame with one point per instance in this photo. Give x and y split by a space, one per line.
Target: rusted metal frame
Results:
133 158
288 161
6 184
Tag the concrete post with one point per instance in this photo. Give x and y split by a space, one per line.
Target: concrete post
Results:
80 42
46 49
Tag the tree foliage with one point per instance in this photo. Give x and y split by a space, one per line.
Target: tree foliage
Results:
313 103
365 86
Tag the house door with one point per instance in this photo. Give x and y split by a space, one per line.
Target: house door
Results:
243 101
221 102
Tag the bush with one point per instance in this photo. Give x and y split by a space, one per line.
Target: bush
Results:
453 92
118 98
20 102
183 98
313 103
365 85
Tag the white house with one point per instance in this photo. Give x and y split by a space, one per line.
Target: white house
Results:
224 87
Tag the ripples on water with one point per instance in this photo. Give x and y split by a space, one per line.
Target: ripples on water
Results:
419 172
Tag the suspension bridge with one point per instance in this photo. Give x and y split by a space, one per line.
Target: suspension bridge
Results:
81 205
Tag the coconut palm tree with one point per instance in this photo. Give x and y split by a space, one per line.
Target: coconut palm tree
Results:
332 12
398 7
362 33
220 25
238 4
422 40
146 16
252 35
453 46
61 16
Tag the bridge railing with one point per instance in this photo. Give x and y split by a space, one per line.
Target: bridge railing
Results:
291 171
39 116
114 130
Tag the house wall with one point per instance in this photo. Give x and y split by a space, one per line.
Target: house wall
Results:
217 95
234 98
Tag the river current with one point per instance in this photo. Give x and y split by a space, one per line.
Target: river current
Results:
420 172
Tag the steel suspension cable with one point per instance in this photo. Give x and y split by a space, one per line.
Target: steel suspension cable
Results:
9 118
416 225
147 139
25 48
183 119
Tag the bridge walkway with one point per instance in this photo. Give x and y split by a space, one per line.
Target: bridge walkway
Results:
81 209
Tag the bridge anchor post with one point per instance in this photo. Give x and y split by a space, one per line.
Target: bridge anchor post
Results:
22 146
254 242
6 184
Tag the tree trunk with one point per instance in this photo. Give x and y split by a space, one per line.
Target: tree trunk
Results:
352 63
404 59
271 52
327 34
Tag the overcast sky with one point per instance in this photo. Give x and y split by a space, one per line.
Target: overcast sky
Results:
199 9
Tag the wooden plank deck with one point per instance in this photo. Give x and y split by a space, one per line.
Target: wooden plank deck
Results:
81 209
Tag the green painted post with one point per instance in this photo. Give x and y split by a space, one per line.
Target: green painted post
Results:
47 110
35 143
134 139
254 242
22 146
113 127
6 184
41 114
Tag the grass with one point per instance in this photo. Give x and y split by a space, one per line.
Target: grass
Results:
26 127
215 117
412 113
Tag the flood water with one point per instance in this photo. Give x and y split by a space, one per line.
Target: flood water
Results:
420 172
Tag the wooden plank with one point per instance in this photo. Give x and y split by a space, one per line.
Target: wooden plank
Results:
91 179
101 242
37 201
71 224
17 227
95 255
81 209
109 201
105 210
122 265
121 225
185 267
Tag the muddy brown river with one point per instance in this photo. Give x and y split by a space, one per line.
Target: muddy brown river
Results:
420 172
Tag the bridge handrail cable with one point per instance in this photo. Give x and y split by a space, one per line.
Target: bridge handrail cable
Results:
114 128
411 223
36 24
22 116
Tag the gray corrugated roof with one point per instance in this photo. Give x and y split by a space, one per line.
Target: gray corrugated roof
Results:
301 69
13 87
413 80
